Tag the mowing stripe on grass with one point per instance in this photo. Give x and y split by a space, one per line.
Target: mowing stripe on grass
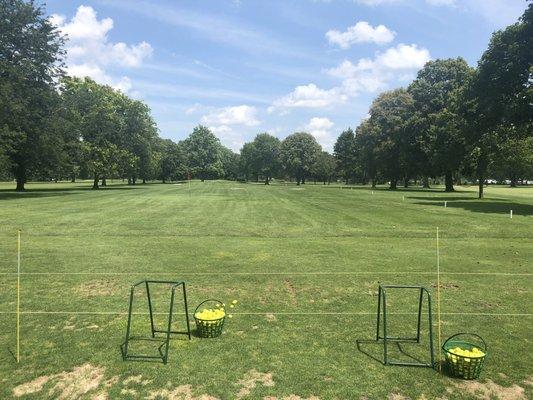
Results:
265 313
277 273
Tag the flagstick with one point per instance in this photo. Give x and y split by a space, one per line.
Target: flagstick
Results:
438 303
18 296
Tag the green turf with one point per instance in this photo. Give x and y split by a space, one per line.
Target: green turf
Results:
304 262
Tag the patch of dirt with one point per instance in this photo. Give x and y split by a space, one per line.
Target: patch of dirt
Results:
100 396
446 286
397 396
129 392
290 397
183 392
31 387
68 385
490 390
98 287
270 317
250 381
292 291
137 379
528 381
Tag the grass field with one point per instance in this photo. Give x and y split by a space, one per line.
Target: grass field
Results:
304 264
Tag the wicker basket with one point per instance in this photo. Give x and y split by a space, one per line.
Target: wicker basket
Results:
462 366
209 328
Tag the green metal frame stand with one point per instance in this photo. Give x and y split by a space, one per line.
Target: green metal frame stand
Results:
382 310
163 352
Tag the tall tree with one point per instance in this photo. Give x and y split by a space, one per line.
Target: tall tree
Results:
30 63
93 112
366 141
172 160
204 153
497 103
247 161
345 154
389 115
325 167
299 152
266 156
440 142
230 163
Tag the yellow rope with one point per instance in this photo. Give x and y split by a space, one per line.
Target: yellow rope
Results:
18 296
438 304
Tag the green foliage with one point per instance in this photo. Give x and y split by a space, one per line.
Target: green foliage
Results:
325 167
345 153
438 143
230 163
299 153
204 154
30 64
389 114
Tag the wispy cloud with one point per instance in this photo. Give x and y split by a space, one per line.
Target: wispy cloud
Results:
215 28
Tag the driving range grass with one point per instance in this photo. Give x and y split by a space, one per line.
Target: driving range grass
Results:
303 262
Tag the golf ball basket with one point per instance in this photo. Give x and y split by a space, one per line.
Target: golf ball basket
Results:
462 366
213 327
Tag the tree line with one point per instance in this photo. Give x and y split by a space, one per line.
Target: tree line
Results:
452 121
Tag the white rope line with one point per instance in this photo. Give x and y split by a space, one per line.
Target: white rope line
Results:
263 313
276 273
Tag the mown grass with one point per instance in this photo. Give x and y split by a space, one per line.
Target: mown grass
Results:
304 263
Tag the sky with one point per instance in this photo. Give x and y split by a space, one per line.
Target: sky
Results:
245 67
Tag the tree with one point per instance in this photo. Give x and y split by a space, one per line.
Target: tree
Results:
299 152
138 134
230 163
265 156
203 153
247 160
366 139
93 112
440 143
30 63
346 155
496 105
325 167
172 160
514 160
389 114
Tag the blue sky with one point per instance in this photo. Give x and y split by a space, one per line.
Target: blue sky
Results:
245 67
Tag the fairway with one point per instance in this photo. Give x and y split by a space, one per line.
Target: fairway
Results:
304 263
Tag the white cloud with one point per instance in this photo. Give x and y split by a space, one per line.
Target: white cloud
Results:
89 51
442 2
499 13
376 2
361 32
309 96
228 137
371 75
238 115
320 129
366 75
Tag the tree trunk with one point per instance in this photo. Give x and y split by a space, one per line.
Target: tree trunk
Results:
73 179
448 181
133 180
303 180
144 181
373 182
481 182
104 181
406 182
393 184
513 181
164 180
267 181
20 174
95 181
297 181
425 182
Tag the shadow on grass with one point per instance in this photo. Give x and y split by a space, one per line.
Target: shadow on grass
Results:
11 194
481 206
